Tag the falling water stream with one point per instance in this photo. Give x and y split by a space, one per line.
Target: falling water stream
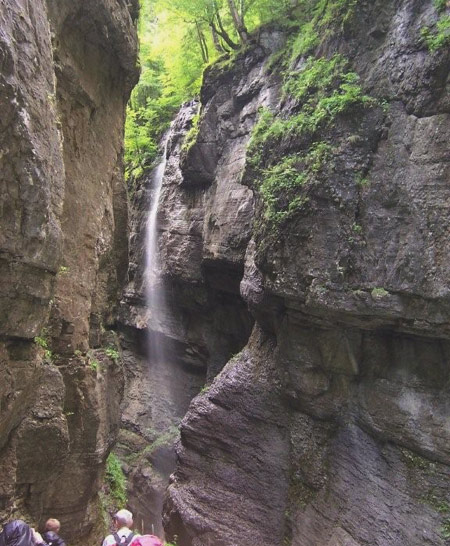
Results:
153 280
169 387
160 380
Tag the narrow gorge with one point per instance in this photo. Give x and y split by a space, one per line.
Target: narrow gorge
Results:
256 323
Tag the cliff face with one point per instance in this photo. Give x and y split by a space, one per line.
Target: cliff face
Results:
315 314
67 68
205 323
330 427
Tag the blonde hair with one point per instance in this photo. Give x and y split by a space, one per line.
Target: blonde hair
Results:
52 524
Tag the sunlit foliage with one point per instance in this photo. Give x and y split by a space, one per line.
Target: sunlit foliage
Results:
178 39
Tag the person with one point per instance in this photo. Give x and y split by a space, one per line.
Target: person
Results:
50 535
37 537
18 533
123 535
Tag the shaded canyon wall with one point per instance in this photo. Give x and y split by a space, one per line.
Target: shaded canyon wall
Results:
331 426
205 323
67 68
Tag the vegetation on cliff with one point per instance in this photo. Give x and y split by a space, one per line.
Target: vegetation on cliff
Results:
116 481
179 38
438 36
324 89
212 31
289 151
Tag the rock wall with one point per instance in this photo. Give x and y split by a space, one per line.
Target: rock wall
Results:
331 426
67 68
206 322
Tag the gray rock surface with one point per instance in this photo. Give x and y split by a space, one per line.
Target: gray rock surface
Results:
206 320
331 426
205 223
67 68
240 418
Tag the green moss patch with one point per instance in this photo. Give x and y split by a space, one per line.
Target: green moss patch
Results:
323 90
438 36
116 481
327 18
164 439
191 136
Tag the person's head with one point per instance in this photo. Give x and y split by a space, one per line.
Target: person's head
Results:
17 533
52 524
123 518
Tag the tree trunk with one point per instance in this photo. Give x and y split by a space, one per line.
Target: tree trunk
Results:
223 33
202 41
238 22
242 8
217 45
205 48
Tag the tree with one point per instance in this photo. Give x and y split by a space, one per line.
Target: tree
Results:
178 39
238 20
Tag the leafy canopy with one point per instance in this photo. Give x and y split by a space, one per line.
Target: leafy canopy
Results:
178 38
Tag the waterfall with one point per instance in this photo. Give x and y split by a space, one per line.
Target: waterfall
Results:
153 280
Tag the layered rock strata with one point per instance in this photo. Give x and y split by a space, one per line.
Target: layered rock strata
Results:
331 426
67 68
205 320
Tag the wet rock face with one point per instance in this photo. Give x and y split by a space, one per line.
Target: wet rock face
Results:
213 500
331 426
206 320
66 71
205 222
